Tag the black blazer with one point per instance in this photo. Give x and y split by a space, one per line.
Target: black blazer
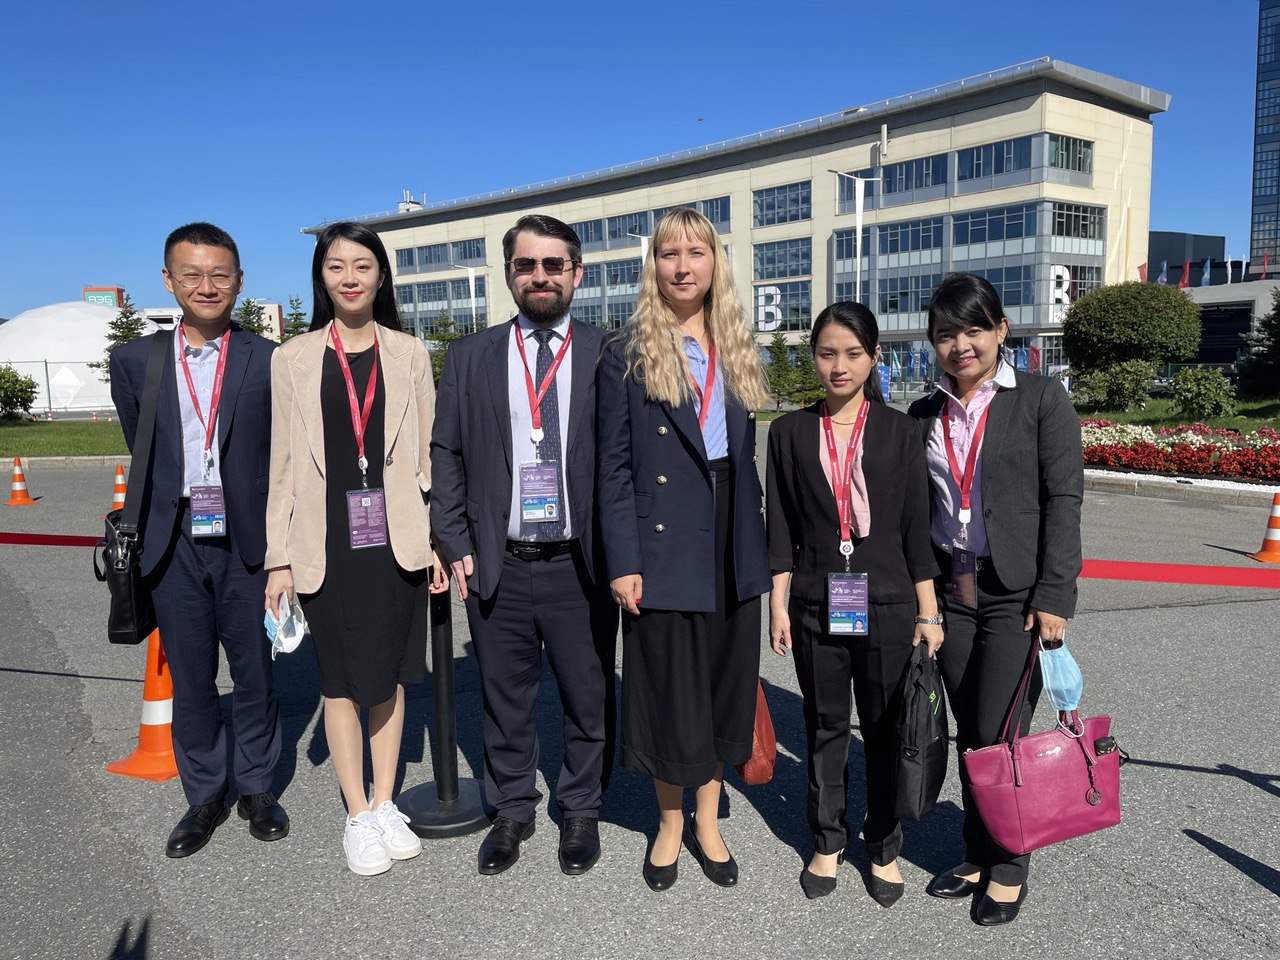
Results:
656 502
244 442
471 470
1032 487
804 528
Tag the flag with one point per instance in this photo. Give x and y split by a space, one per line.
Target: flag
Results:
1164 272
910 364
1264 267
1033 360
1020 358
1142 272
924 363
1185 279
1204 277
895 367
1229 263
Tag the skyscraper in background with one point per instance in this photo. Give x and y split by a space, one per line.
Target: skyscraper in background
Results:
1263 238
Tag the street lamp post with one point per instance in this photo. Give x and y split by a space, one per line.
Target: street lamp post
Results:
859 187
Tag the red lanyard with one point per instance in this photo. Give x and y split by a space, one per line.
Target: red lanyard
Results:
704 394
842 480
359 416
965 482
535 399
211 424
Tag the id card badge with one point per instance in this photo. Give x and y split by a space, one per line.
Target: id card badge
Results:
847 604
208 512
367 517
539 492
964 577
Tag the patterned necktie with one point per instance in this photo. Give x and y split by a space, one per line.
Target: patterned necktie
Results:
549 449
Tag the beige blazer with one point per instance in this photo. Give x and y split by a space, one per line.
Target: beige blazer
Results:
296 499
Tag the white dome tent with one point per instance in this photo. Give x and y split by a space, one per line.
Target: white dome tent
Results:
54 345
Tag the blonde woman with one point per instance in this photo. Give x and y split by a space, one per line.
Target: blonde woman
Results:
684 544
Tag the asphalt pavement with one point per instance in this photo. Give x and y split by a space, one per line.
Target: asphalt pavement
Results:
1187 672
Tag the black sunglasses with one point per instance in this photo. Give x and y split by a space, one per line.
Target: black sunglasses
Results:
549 264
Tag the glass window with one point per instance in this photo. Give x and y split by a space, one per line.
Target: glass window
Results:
660 212
588 312
911 235
997 223
1266 169
1070 153
622 272
589 231
619 312
844 243
1077 220
914 174
785 258
907 294
468 252
717 211
1268 36
434 257
404 294
992 158
1013 284
1267 114
785 204
405 258
619 228
1084 280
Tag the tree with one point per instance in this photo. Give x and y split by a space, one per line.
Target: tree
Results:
250 316
1260 370
17 393
444 332
778 370
804 388
295 321
127 325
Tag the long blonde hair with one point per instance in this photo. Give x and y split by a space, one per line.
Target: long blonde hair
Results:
652 335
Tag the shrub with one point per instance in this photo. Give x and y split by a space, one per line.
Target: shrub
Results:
1202 393
1118 386
1130 321
17 393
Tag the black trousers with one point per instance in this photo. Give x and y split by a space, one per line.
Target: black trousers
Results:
982 660
825 667
549 603
204 597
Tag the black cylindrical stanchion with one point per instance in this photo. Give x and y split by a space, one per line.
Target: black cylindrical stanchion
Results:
449 807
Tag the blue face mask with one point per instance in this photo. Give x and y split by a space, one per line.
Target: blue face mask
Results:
1063 683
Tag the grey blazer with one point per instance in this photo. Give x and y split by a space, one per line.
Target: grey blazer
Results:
1032 487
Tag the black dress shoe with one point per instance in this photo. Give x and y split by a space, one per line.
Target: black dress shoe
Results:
723 873
660 878
195 828
579 845
947 886
882 891
501 847
267 819
989 913
815 885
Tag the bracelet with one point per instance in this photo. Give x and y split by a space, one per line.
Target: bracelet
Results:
934 621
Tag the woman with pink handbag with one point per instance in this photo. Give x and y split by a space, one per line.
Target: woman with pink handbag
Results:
1007 480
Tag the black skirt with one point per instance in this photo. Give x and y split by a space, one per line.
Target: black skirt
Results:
369 618
689 679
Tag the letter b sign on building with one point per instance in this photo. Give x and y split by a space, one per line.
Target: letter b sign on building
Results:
768 309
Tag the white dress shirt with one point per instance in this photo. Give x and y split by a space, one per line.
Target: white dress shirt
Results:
203 363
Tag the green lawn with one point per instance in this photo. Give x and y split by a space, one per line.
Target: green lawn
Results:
1251 413
60 438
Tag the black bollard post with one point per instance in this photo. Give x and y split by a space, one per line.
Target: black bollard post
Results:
449 807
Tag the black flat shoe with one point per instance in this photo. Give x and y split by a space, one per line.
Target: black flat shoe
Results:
989 913
579 845
660 878
882 891
947 886
501 847
723 873
815 885
195 828
267 819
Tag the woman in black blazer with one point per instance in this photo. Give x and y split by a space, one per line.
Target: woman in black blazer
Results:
878 482
1014 444
679 504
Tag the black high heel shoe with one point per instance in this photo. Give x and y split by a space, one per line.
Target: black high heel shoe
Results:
660 878
990 913
882 891
815 885
947 886
723 873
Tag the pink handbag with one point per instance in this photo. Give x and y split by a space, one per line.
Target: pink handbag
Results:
1037 790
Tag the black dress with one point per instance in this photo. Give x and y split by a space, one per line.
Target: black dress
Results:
369 618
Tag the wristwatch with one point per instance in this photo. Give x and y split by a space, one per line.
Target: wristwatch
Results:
935 621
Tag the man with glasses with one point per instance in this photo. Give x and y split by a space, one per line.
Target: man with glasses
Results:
202 532
512 507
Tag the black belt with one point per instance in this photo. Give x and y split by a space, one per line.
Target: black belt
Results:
522 550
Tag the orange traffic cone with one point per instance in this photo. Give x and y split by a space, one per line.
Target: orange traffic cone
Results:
95 416
1270 550
117 491
19 496
153 757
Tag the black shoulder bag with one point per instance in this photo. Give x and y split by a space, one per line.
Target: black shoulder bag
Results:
132 616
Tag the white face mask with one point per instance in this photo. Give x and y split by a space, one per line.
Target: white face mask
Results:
286 629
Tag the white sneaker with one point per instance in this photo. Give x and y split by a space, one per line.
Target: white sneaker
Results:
399 841
362 841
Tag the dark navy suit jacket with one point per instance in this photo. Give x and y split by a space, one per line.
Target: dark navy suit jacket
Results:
471 470
656 500
244 442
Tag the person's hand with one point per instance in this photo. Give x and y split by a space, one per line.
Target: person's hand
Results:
930 634
1049 627
779 629
461 570
626 592
439 574
278 582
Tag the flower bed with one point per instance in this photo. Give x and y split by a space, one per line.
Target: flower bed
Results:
1194 449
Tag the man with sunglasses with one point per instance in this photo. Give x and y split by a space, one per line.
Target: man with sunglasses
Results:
202 532
512 507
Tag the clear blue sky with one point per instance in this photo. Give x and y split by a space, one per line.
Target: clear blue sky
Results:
124 120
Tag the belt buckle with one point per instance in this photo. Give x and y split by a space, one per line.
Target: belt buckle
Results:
526 551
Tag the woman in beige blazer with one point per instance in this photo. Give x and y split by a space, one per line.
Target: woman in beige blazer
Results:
352 406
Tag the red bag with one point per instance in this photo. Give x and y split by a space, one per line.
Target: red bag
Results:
764 748
1037 790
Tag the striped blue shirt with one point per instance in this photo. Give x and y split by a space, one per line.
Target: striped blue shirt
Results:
715 435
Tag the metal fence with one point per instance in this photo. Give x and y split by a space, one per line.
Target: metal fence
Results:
65 386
